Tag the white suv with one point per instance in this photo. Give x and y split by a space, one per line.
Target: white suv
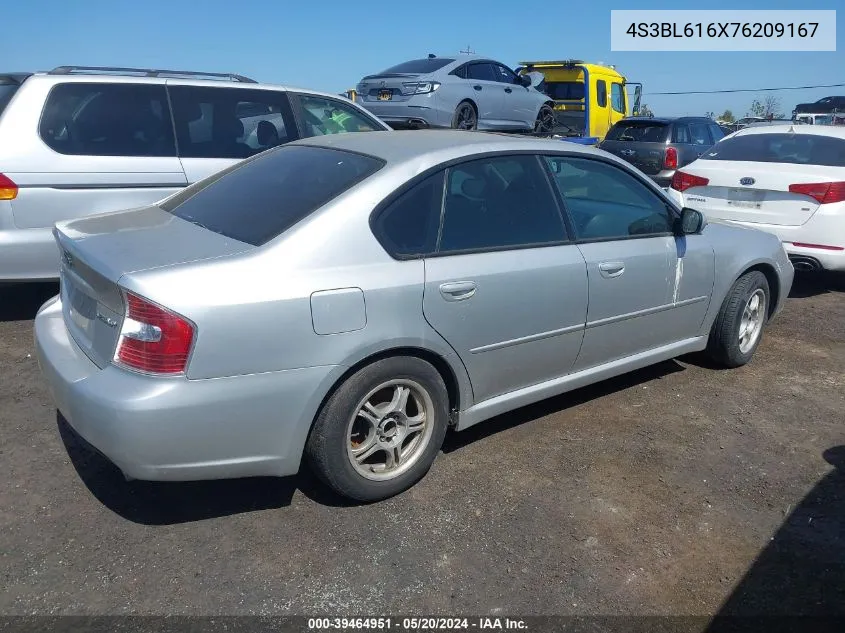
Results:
77 141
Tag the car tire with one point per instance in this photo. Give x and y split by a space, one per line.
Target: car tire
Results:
738 328
368 411
465 117
544 125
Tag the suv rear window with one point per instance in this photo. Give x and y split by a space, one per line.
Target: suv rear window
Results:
642 131
259 199
796 149
419 66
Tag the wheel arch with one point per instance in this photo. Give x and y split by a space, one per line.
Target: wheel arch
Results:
773 280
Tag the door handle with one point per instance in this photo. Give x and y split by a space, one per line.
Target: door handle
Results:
611 269
508 90
458 290
477 87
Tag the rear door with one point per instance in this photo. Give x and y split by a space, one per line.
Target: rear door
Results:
748 177
106 147
219 126
520 104
484 89
641 142
505 287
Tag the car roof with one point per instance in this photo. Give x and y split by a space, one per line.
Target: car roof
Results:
789 128
403 145
180 81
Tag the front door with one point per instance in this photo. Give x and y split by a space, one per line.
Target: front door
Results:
624 230
505 287
486 92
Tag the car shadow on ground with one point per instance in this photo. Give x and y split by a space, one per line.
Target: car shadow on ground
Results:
20 302
811 284
801 572
165 503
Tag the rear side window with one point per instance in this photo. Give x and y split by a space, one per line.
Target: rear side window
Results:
699 134
641 131
481 72
419 66
680 134
229 122
796 149
601 93
100 119
408 226
260 199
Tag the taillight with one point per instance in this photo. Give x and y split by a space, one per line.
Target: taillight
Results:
8 189
682 181
670 161
153 339
823 192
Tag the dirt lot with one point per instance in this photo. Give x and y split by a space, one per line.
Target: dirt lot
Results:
676 490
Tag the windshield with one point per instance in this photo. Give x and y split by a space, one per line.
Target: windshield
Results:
418 66
796 149
259 199
563 90
642 131
7 91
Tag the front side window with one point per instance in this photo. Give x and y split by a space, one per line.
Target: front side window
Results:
601 93
321 116
229 122
496 203
257 200
100 119
617 98
504 75
680 134
408 226
605 202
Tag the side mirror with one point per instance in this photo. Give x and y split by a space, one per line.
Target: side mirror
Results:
525 80
690 222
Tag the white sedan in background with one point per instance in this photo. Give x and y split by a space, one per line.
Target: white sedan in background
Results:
783 179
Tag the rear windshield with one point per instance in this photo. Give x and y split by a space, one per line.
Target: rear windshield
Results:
419 66
560 90
643 131
7 91
796 149
259 199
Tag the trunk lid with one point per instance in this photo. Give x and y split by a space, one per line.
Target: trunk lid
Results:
639 142
385 87
97 251
766 198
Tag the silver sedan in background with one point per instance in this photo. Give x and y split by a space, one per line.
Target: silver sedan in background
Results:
465 92
349 298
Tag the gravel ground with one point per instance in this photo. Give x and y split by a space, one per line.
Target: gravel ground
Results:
680 489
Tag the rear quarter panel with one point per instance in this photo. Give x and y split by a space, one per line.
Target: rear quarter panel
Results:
739 249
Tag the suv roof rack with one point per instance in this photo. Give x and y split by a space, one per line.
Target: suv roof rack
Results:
146 72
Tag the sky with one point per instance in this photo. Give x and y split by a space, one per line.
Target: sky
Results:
330 44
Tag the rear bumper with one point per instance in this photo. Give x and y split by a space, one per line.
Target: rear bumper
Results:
419 111
28 255
178 429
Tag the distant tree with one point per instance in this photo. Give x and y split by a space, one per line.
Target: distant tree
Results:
645 110
727 116
768 108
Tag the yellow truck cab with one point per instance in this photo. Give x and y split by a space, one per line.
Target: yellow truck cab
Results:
589 98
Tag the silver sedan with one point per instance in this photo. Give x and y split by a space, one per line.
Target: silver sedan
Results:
350 298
